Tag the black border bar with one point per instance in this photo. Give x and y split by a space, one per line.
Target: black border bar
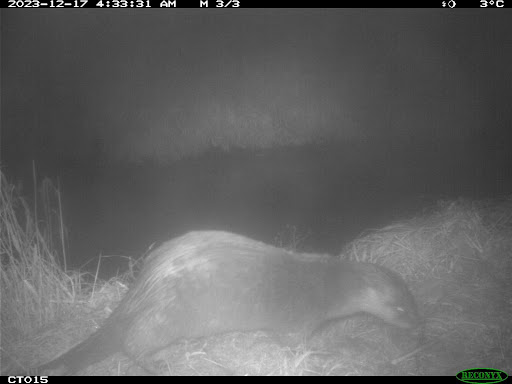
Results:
448 5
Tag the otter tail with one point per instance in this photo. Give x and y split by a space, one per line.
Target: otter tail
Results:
100 345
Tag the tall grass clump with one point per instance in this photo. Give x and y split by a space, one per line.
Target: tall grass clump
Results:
32 249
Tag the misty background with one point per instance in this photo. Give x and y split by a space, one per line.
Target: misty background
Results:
259 122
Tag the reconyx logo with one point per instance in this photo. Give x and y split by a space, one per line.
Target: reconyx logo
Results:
481 375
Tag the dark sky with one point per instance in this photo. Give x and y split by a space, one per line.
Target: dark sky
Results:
319 116
151 85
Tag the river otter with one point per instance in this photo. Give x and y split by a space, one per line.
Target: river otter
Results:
210 282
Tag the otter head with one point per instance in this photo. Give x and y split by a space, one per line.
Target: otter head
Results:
386 296
395 307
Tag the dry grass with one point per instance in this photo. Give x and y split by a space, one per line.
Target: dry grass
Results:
35 290
456 258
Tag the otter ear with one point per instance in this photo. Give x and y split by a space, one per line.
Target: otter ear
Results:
371 299
374 295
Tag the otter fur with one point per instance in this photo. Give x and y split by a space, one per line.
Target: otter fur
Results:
210 282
